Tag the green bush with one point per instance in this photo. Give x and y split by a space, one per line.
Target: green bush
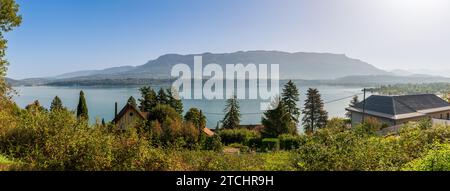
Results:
279 161
213 143
36 139
241 136
437 159
242 148
270 144
254 143
215 161
290 142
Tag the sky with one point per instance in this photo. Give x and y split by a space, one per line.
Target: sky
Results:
59 36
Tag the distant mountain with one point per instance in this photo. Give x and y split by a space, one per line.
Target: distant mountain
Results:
292 65
317 68
12 82
429 72
95 72
371 80
400 72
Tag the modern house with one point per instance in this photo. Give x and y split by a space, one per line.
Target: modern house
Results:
397 110
130 116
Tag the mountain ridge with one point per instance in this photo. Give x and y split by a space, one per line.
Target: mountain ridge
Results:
297 65
309 66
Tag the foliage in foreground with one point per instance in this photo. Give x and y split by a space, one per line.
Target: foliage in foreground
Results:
57 140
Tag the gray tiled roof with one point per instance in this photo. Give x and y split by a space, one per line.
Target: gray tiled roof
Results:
396 105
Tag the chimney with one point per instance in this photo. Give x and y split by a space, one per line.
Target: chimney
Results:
115 110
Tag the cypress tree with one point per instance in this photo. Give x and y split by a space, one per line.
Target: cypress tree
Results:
232 117
82 109
314 114
278 120
290 98
56 104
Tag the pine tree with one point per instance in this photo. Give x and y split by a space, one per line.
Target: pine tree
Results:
56 104
353 102
290 97
132 101
103 122
148 100
174 100
314 115
82 109
232 117
162 97
278 120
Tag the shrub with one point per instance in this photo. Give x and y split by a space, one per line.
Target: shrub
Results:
289 142
214 161
338 123
254 143
241 136
271 144
425 123
242 148
279 161
437 159
213 143
190 134
369 127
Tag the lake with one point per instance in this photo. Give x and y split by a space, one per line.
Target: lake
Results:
100 101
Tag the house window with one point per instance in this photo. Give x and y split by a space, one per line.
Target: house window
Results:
448 116
442 116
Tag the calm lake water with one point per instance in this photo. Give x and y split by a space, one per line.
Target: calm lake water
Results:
101 101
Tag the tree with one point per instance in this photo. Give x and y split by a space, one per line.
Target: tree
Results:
148 100
162 97
232 117
132 101
82 109
290 98
314 115
9 19
35 107
353 102
170 121
190 133
162 113
278 120
56 104
174 100
196 117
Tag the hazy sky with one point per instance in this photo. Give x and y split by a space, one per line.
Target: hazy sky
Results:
60 36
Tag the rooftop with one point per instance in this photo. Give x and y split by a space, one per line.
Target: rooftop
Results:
402 105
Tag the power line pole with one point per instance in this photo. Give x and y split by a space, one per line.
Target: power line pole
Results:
364 106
